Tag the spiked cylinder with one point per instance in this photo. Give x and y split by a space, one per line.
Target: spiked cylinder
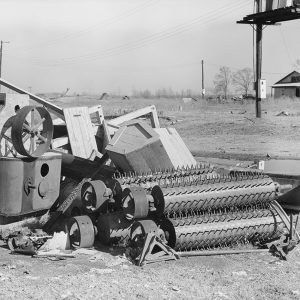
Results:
222 230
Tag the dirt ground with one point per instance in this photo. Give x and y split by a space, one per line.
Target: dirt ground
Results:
210 130
105 276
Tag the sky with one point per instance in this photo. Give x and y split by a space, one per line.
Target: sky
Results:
115 46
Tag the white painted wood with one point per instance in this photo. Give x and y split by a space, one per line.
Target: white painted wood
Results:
136 114
80 131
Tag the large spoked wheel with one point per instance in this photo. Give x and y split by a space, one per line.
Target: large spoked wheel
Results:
7 148
32 131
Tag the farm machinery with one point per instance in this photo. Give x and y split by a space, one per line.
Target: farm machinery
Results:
127 182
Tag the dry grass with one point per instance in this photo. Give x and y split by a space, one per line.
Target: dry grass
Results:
217 129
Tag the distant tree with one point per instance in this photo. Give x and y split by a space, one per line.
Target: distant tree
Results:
297 64
243 80
223 81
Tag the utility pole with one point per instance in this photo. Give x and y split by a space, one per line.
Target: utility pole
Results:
1 49
265 17
259 30
203 88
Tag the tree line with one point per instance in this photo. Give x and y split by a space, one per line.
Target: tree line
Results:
242 80
162 93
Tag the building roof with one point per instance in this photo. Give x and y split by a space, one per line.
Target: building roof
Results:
282 81
293 84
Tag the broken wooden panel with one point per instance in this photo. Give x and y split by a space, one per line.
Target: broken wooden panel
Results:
136 114
136 147
178 152
80 131
96 113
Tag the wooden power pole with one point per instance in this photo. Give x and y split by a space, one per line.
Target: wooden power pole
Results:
259 30
203 88
264 17
1 50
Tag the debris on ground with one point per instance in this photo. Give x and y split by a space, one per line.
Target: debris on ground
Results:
283 113
129 185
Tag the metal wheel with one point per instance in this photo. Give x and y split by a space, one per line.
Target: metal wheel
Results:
159 201
135 203
139 229
95 196
32 131
82 232
7 148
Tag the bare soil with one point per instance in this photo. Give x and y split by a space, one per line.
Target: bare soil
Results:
211 130
251 276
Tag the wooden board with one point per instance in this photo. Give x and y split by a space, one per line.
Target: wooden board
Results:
178 152
136 147
136 114
286 167
80 131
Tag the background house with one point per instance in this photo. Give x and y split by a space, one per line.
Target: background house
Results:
289 86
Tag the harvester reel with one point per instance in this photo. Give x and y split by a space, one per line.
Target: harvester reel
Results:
32 131
7 148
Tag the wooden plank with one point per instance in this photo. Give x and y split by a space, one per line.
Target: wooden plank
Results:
80 131
178 152
112 128
52 107
170 147
154 117
106 136
289 167
98 111
136 114
184 150
59 142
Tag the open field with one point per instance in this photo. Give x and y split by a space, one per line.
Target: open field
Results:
227 130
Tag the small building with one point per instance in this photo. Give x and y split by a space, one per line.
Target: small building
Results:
289 86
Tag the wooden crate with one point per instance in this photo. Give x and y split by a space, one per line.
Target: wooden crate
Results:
136 147
178 152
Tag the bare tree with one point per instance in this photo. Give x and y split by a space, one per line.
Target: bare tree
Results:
223 80
243 80
297 64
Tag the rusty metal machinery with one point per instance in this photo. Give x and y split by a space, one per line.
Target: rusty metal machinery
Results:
28 185
138 204
219 193
198 172
200 214
222 230
95 196
29 177
7 148
82 232
32 131
206 195
114 228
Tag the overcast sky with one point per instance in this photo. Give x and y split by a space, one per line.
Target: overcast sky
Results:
117 45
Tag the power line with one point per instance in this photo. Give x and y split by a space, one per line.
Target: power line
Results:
285 45
103 24
167 33
154 37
